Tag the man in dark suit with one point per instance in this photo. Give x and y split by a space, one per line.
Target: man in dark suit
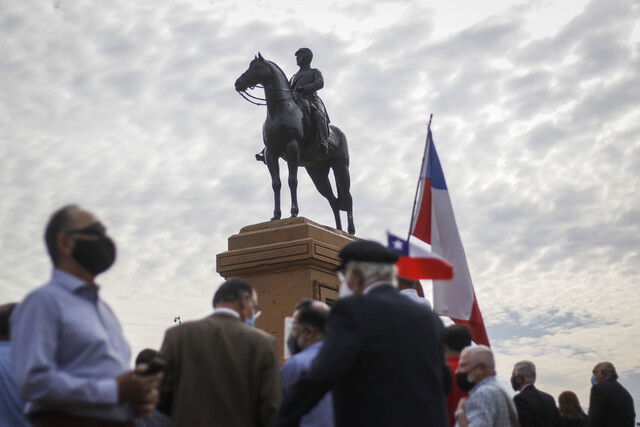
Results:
382 354
535 408
220 370
610 404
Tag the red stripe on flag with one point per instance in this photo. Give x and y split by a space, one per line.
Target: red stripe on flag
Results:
424 268
475 324
422 229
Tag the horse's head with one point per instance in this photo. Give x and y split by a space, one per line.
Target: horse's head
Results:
258 72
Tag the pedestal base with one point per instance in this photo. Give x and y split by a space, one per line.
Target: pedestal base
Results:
285 261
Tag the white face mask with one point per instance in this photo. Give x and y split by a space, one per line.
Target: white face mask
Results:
345 291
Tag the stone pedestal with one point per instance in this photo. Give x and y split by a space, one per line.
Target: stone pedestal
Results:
285 261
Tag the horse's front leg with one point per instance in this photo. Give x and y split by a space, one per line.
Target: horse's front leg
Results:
274 171
293 160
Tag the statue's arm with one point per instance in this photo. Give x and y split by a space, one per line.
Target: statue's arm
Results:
318 80
315 85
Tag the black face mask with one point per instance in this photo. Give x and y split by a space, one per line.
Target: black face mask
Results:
514 384
293 345
463 383
95 255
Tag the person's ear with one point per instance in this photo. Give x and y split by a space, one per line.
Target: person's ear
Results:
358 279
65 244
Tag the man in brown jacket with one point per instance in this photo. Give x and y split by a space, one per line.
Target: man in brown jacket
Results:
220 370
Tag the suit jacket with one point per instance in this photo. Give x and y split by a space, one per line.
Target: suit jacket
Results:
610 404
536 408
383 358
221 372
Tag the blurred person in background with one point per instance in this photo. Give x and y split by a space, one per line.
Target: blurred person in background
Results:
307 333
143 361
571 411
610 404
11 406
456 338
535 407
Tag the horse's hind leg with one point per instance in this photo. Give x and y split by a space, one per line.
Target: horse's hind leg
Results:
343 183
320 178
274 171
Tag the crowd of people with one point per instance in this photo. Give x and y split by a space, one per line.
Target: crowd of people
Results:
376 357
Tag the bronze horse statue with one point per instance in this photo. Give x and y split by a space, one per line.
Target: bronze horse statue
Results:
287 134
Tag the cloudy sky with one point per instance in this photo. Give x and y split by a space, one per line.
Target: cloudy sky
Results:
128 108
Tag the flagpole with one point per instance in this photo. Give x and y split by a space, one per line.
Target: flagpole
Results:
415 198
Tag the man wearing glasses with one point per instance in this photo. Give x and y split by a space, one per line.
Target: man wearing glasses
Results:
220 369
70 359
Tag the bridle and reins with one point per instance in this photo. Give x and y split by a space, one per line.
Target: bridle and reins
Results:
247 95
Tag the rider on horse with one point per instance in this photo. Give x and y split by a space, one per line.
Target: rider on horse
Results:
305 84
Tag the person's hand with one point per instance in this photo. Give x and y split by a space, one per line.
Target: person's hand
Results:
146 409
462 403
137 388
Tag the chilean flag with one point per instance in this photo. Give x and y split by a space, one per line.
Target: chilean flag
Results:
433 222
415 262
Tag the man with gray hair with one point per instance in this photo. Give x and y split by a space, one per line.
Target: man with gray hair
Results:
488 403
535 408
382 353
610 404
221 371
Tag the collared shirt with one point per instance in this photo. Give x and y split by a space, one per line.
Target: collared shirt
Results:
412 294
225 310
487 405
322 414
11 406
67 349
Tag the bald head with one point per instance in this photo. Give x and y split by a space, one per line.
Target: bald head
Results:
480 354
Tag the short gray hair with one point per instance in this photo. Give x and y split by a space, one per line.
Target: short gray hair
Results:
608 369
373 271
527 370
480 354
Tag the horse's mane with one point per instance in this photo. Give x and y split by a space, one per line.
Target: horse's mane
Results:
279 69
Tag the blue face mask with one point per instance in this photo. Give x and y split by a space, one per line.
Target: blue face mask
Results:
255 313
593 380
251 322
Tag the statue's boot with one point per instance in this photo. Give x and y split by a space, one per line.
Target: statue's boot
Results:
260 157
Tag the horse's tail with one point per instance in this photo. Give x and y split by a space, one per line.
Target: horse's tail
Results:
341 169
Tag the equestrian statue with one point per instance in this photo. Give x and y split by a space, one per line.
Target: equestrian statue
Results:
297 129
